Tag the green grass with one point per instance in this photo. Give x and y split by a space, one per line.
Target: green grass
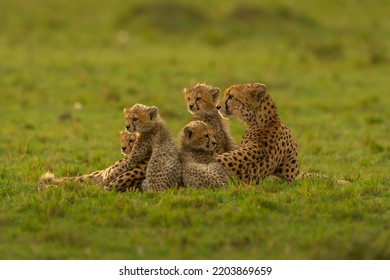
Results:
326 65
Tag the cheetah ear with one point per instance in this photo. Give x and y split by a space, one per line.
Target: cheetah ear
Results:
185 90
258 91
215 93
126 110
187 132
153 111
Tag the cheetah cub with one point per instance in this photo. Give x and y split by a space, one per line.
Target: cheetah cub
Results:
199 167
127 143
155 144
201 100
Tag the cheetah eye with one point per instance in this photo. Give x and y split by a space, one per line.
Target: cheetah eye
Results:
198 98
206 136
135 119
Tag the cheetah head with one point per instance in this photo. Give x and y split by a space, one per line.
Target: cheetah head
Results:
197 135
241 100
201 98
127 141
140 118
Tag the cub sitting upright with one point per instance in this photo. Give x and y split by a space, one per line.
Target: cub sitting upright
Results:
155 143
201 100
200 168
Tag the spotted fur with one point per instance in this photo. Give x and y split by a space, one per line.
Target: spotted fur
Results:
127 141
199 167
155 144
201 100
267 146
127 144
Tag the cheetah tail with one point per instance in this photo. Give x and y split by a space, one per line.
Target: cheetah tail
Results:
303 175
46 178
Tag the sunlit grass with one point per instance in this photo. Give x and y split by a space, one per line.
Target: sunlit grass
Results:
65 78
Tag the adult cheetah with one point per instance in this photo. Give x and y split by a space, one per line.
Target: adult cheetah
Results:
155 144
201 100
199 167
267 146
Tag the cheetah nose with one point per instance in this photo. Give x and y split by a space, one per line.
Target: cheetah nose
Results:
123 148
214 143
127 127
218 107
190 106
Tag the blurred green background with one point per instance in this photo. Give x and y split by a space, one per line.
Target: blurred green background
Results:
68 68
325 62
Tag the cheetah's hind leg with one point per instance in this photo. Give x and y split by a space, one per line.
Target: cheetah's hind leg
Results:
129 181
